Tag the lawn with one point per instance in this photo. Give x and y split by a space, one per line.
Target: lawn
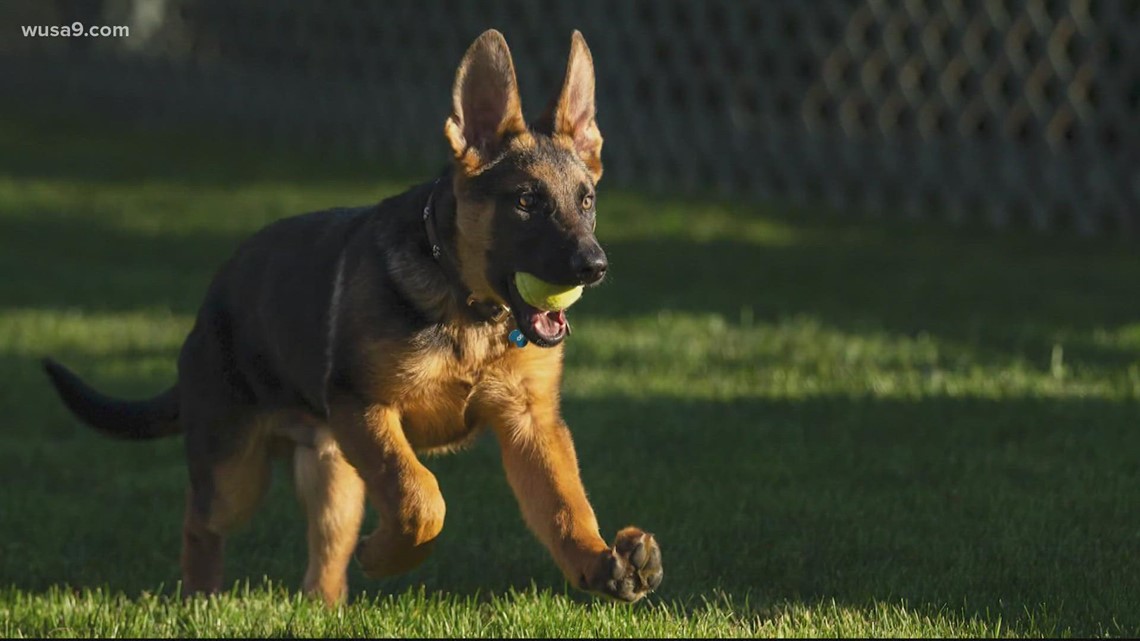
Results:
834 427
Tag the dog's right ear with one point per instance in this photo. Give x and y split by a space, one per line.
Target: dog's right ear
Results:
570 118
486 109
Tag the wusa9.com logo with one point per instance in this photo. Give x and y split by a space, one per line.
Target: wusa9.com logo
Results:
75 29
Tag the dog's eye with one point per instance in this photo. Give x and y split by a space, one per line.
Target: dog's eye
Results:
588 202
527 202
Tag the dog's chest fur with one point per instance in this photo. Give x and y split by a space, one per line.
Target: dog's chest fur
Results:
434 378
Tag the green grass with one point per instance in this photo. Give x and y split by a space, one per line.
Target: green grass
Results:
835 428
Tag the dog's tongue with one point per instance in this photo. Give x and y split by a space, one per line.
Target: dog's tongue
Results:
549 325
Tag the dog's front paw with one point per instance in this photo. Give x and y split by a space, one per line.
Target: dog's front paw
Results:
630 569
383 554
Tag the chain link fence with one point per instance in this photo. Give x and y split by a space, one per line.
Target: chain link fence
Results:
997 111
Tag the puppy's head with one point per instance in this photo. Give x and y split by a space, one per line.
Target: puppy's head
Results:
525 195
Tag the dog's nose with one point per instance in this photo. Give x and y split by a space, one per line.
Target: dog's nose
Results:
589 264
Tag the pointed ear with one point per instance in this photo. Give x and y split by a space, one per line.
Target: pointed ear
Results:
486 109
570 117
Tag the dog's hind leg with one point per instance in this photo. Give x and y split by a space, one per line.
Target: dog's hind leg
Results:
332 494
228 478
201 552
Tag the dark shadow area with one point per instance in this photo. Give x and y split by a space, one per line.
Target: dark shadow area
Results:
63 145
56 262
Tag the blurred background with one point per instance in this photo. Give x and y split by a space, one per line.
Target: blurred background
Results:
1005 112
868 350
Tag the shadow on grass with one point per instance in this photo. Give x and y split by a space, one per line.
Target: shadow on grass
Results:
61 263
974 508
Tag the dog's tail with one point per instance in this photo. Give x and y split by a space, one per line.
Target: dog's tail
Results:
136 420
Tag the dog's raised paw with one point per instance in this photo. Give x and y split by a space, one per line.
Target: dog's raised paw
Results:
630 569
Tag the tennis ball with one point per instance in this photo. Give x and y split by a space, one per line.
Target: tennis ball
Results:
544 295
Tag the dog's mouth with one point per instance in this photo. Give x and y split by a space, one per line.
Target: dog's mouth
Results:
543 328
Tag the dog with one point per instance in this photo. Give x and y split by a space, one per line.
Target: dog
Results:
356 339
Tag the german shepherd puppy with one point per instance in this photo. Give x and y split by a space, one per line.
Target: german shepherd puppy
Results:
358 338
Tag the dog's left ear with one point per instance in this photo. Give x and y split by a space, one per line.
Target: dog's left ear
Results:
570 117
486 110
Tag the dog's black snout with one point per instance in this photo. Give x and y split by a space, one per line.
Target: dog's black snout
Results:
589 264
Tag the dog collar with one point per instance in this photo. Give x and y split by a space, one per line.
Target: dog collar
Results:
485 310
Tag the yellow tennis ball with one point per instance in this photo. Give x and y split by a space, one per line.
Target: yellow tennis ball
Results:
544 295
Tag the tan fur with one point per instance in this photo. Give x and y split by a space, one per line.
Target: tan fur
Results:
523 141
563 178
429 398
521 400
402 490
240 482
473 228
332 495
